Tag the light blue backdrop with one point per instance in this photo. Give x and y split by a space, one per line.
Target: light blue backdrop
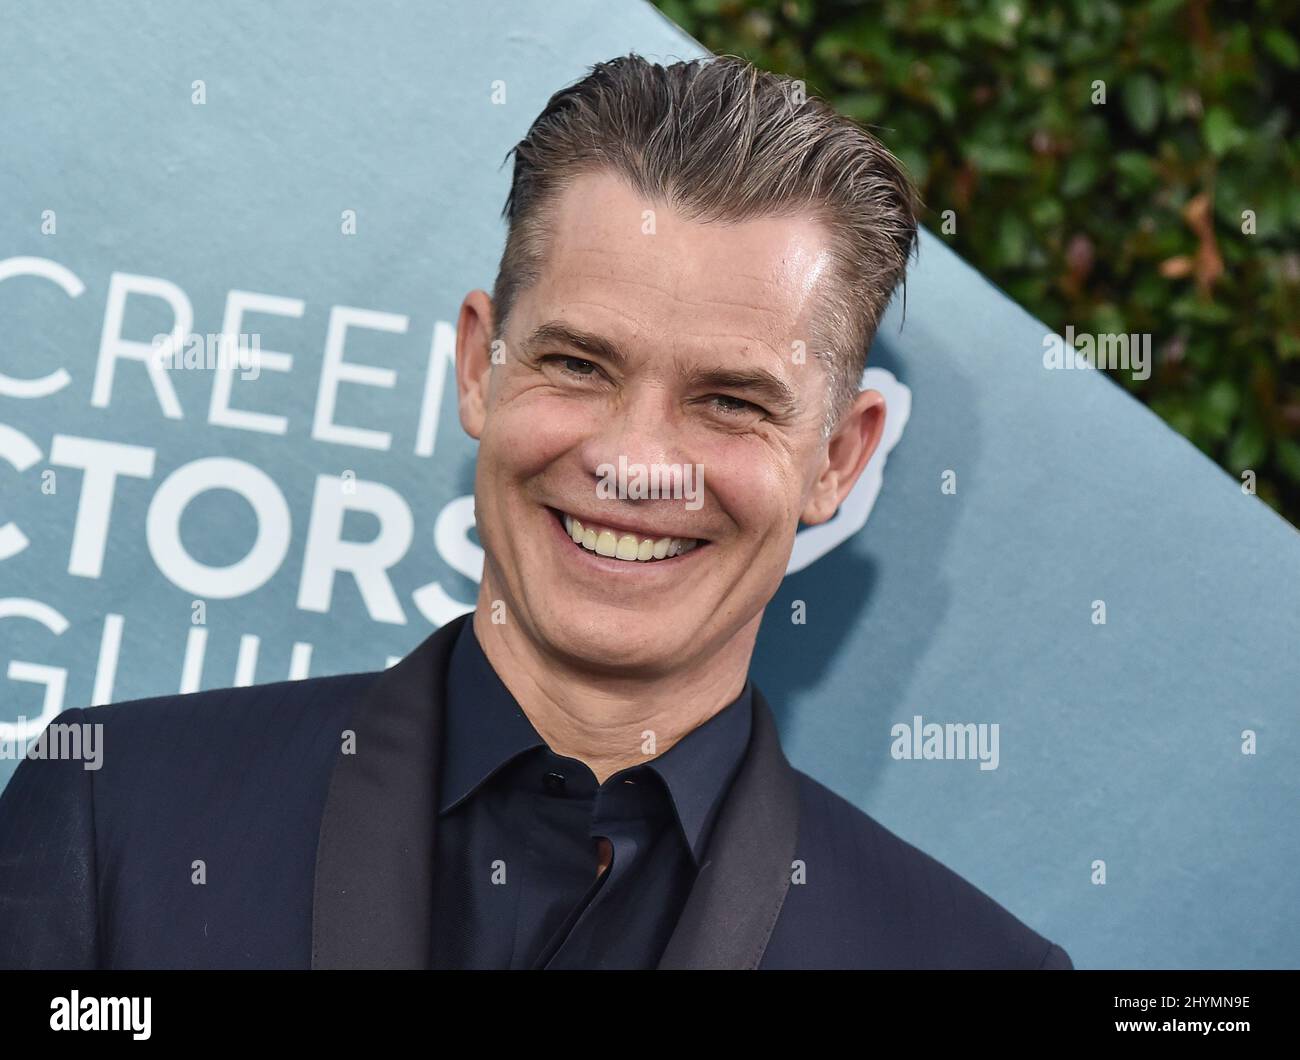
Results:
1119 743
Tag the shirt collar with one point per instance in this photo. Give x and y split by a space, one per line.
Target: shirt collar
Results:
698 768
485 729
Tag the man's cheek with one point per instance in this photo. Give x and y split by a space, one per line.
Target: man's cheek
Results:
540 432
511 446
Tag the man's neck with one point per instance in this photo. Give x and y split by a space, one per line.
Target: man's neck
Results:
610 723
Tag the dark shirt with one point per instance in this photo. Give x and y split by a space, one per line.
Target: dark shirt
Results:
515 853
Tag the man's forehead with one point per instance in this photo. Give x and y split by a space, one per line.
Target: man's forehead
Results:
752 280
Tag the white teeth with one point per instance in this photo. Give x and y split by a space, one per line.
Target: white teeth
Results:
627 547
606 543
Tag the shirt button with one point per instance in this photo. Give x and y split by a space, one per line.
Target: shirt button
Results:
554 783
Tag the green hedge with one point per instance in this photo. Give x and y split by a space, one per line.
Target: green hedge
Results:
1117 218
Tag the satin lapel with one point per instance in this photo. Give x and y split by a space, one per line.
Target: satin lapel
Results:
373 899
737 896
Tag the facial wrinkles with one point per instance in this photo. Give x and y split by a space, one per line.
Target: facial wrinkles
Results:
655 264
679 305
794 285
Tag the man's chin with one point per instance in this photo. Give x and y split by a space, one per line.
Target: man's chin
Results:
633 648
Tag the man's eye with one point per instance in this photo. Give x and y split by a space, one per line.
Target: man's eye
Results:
733 406
573 365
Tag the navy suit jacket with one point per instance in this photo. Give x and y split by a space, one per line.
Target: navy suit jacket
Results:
291 825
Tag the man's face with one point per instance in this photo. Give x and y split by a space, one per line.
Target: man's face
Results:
708 379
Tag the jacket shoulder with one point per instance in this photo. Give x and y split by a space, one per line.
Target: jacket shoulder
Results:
272 703
221 745
892 904
97 850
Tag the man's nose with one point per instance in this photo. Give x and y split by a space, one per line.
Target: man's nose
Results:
642 428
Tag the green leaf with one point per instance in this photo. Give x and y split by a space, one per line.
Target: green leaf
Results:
1248 449
942 102
915 162
1201 312
998 160
1214 421
1282 46
1080 174
1107 320
1221 132
1135 169
1047 212
1013 240
1142 102
1222 399
866 107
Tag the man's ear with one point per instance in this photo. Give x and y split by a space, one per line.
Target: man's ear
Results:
847 451
474 360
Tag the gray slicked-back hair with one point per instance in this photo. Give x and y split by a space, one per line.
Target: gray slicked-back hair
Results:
717 139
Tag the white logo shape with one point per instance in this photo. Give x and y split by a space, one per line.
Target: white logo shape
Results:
815 541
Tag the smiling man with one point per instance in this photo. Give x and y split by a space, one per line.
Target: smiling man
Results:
653 340
580 774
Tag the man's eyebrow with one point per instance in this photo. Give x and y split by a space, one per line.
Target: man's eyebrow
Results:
761 383
555 333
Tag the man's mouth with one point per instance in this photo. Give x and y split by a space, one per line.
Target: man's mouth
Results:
623 544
